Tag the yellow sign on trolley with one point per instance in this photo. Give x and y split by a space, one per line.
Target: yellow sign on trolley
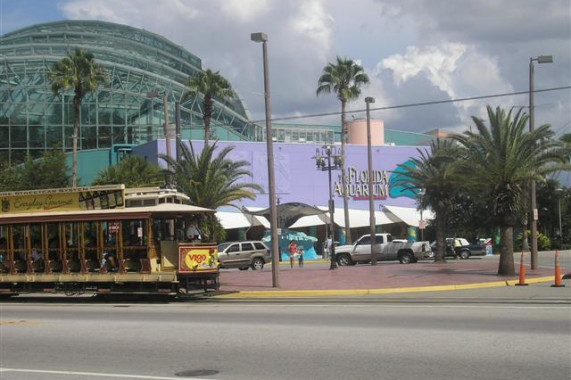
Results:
64 199
199 258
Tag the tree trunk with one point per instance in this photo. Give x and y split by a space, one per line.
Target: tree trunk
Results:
344 174
206 120
506 267
76 108
440 254
208 105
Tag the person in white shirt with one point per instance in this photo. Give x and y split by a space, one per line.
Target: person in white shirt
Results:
192 231
328 244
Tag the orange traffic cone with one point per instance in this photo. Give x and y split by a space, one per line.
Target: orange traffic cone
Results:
521 272
558 283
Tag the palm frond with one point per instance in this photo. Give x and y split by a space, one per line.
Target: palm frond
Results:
210 178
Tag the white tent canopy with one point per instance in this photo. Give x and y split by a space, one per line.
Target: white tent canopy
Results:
360 218
231 220
408 215
357 218
311 220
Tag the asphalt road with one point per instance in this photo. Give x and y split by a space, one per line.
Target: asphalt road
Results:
319 339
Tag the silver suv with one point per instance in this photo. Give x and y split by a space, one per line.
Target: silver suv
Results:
244 254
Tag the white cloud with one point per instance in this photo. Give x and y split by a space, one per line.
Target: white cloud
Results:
458 70
128 11
314 23
413 50
245 10
437 63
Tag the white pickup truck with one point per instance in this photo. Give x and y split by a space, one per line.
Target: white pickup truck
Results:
386 248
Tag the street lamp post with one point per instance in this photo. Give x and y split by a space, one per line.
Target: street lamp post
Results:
368 101
421 226
328 151
156 94
534 216
263 38
177 130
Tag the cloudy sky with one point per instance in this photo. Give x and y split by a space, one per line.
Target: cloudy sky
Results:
413 50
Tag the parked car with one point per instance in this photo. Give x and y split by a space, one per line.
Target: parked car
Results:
460 249
386 248
478 248
244 254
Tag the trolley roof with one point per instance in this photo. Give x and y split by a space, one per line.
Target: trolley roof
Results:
163 210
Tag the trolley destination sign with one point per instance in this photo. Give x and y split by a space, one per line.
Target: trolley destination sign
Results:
63 199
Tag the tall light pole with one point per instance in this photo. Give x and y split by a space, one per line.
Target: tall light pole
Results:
421 225
156 94
368 101
263 38
533 248
328 151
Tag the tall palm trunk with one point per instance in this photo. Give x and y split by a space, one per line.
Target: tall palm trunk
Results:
208 106
506 267
76 107
206 120
344 185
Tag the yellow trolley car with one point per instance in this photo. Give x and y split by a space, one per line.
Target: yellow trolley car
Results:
102 239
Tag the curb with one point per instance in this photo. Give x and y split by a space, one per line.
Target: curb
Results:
364 292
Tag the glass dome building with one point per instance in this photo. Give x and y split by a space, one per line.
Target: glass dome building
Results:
141 67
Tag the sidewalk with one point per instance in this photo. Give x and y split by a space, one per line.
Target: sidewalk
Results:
386 277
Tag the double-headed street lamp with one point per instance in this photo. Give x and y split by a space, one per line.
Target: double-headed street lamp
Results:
263 38
323 162
534 216
368 101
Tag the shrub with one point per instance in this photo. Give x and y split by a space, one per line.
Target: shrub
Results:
543 242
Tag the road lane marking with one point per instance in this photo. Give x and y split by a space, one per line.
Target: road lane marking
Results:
94 374
19 323
386 304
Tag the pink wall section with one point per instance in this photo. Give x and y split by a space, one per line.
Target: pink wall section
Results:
358 132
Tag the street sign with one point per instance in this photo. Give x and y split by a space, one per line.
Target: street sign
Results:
535 216
422 224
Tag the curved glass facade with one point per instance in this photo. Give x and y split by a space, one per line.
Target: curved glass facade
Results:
123 111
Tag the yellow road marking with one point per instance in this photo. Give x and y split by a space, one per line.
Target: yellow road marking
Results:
20 323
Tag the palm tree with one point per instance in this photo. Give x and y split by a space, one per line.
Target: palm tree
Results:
78 72
436 174
133 171
210 180
345 78
501 161
566 139
211 85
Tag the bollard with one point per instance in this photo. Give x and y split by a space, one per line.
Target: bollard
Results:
521 272
557 283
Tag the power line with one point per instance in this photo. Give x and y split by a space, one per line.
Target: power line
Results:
434 102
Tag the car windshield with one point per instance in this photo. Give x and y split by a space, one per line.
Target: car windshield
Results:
222 246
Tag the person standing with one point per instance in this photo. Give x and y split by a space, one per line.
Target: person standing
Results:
192 231
300 257
328 245
292 248
456 247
